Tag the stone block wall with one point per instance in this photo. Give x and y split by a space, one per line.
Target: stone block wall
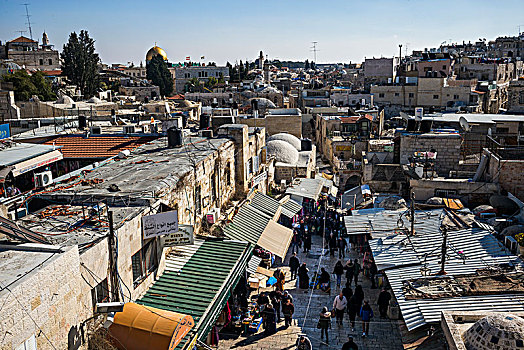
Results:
446 145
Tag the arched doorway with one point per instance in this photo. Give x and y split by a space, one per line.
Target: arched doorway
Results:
351 182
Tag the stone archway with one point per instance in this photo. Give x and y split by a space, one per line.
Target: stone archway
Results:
351 182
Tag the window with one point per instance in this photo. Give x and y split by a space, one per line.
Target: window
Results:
144 262
381 95
198 200
41 62
100 293
435 97
187 75
50 61
445 193
455 97
521 97
443 66
411 95
228 174
397 94
249 166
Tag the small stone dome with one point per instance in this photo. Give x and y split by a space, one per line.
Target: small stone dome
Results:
283 151
496 331
66 100
94 99
291 139
263 103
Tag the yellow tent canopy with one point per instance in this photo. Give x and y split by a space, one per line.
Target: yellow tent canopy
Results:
140 327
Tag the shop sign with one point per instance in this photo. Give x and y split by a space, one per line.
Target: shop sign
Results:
344 148
4 131
160 224
259 178
184 236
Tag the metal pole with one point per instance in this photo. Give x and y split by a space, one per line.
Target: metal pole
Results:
412 213
444 251
112 258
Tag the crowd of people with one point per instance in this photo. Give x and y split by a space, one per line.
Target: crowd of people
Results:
327 222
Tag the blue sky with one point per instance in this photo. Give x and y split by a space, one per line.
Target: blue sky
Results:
232 30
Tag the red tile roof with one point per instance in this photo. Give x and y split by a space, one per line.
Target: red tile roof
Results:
52 72
78 146
355 118
177 97
22 39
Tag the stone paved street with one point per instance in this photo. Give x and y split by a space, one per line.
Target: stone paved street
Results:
384 334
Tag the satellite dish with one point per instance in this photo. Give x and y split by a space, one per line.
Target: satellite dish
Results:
464 124
490 132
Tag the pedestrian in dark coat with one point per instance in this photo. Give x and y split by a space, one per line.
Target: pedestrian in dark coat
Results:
288 309
307 242
356 271
349 271
270 320
350 345
332 245
303 277
359 293
383 302
294 264
353 309
341 248
366 313
324 323
347 291
276 301
338 271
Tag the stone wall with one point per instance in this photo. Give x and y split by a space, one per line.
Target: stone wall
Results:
506 172
446 145
470 193
274 124
45 303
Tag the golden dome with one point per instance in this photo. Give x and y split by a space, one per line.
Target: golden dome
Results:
155 50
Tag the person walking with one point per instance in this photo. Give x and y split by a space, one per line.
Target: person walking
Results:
276 300
338 270
347 291
307 242
339 306
332 245
353 309
270 320
324 323
281 279
303 343
324 280
294 264
359 293
287 296
294 241
383 302
366 313
288 309
303 277
356 271
349 271
342 244
350 344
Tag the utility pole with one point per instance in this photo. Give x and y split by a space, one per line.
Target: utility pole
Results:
314 49
444 250
112 258
412 212
28 21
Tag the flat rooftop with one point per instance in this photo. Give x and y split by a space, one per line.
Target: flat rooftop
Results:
16 152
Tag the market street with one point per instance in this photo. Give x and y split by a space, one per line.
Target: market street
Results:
383 334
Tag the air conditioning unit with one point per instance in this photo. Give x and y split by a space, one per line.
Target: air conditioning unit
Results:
129 129
206 133
213 215
336 133
95 130
16 214
43 179
511 244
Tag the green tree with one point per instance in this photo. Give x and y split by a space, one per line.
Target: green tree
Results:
159 74
25 85
193 85
211 82
80 63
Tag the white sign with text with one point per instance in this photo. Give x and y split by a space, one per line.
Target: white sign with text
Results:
160 224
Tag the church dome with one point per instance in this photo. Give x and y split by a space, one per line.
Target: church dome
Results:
155 50
496 331
291 139
283 152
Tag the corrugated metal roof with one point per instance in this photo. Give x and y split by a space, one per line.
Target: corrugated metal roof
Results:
419 312
253 264
265 203
306 188
291 208
180 255
201 287
247 225
396 250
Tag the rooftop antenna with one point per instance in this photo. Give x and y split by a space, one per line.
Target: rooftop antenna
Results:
314 49
28 21
406 50
21 32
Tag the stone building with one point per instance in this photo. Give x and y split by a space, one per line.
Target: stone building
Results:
181 75
516 96
8 107
194 179
279 120
378 71
28 54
